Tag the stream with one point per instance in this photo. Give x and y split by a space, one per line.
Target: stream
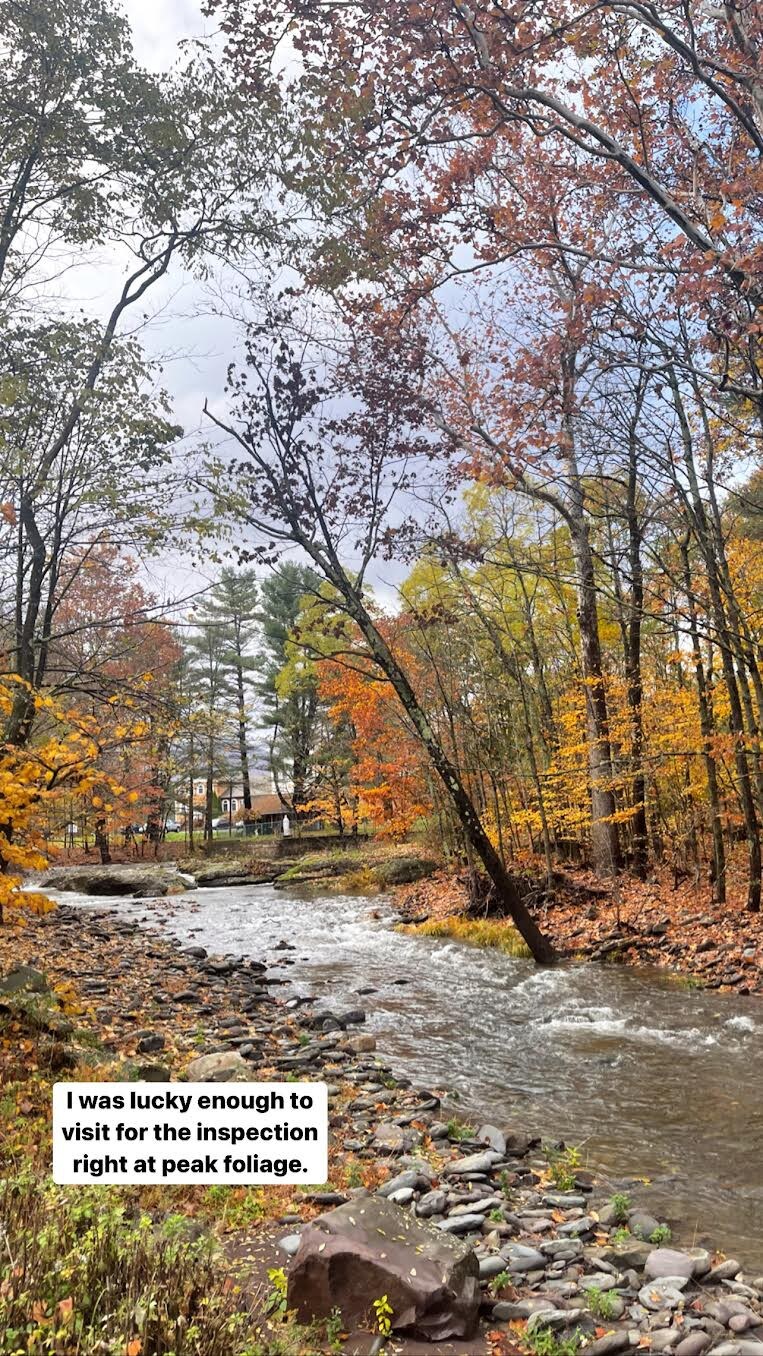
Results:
650 1078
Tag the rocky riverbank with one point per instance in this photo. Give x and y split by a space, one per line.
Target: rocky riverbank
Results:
363 869
549 1258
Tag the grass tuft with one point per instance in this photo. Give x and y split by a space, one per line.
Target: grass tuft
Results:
497 933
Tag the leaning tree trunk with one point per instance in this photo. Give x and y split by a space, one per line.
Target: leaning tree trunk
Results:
474 833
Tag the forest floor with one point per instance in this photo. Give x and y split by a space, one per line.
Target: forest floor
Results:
106 1000
658 922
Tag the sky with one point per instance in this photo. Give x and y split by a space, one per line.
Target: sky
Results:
159 25
192 344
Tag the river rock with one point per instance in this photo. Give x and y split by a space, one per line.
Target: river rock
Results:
349 1257
474 1163
671 1262
694 1345
664 1339
642 1224
410 1178
24 979
433 1203
663 1293
564 1200
610 1345
521 1258
461 1224
150 1043
403 1196
623 1256
361 1045
599 1281
744 1347
725 1271
224 1067
518 1142
139 881
556 1319
493 1137
740 1322
394 1139
491 1266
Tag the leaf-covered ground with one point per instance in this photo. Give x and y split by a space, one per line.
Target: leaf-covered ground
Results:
658 922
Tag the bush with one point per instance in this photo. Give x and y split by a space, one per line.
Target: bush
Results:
80 1275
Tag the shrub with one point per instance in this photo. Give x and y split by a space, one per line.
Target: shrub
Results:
79 1274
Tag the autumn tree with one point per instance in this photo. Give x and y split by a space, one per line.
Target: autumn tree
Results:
324 481
162 171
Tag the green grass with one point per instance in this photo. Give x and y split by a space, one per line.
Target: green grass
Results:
601 1303
621 1204
544 1342
563 1166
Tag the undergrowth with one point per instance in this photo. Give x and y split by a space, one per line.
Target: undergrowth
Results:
80 1274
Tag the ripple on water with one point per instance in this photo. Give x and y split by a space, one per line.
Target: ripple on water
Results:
656 1079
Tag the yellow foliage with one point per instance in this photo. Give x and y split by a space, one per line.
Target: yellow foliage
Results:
62 758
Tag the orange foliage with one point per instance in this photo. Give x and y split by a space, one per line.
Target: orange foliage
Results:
387 774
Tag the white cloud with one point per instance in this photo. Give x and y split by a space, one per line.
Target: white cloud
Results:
159 25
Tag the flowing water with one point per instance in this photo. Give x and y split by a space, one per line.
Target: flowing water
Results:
651 1078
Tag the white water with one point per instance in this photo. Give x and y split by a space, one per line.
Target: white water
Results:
653 1079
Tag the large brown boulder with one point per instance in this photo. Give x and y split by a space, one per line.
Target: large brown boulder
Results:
370 1247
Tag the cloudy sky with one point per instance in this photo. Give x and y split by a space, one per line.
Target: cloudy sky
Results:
159 25
193 346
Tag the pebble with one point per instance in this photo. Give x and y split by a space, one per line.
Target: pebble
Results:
460 1224
556 1319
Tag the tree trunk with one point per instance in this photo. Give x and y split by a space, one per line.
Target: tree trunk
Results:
102 842
703 537
718 870
604 840
633 667
475 835
243 751
208 800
